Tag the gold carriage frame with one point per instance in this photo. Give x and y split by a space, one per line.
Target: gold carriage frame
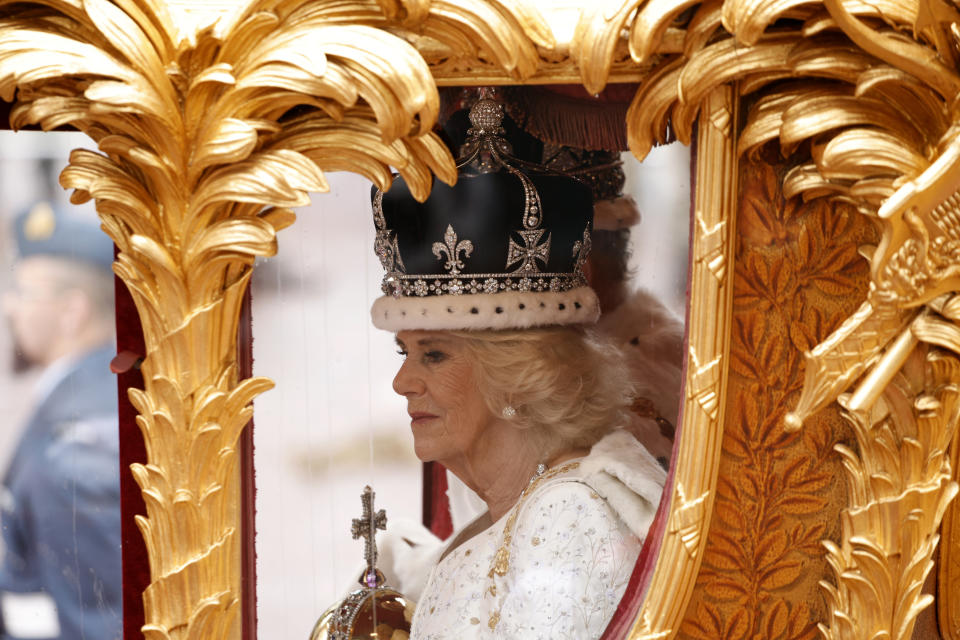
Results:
200 163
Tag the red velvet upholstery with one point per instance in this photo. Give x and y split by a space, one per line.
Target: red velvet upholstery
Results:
136 569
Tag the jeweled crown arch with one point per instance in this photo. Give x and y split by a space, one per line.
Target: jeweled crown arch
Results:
200 161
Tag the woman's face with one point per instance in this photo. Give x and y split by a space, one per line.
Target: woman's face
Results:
447 413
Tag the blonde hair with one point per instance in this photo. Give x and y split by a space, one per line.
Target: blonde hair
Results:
568 386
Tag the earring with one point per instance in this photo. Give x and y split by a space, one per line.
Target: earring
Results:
508 412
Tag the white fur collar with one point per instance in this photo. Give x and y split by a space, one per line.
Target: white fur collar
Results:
624 473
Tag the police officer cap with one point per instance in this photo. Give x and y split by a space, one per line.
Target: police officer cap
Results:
44 231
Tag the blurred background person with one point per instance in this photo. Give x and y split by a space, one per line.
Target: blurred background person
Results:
649 335
632 317
60 573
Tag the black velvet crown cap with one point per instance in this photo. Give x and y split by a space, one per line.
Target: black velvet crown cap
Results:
503 248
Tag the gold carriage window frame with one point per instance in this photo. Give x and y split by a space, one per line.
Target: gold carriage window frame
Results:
198 174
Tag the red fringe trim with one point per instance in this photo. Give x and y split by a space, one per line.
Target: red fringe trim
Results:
559 118
559 114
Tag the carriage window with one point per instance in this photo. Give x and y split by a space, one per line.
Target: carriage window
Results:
333 424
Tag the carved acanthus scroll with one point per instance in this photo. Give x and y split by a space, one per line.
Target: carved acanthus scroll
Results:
900 485
904 417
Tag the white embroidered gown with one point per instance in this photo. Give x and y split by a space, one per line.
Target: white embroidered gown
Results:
571 557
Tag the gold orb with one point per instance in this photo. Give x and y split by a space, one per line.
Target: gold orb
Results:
367 614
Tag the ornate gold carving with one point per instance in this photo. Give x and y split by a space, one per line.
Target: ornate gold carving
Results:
948 578
900 485
704 382
713 247
206 139
840 359
876 114
797 274
687 519
698 456
916 261
553 69
878 104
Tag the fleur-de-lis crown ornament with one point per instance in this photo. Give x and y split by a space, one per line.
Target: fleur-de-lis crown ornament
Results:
452 249
374 610
503 248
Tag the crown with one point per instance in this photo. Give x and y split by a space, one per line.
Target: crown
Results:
503 248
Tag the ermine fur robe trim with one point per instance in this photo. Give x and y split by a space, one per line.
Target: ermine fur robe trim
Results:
616 214
624 474
651 338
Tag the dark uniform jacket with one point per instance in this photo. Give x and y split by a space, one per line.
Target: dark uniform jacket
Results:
60 508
